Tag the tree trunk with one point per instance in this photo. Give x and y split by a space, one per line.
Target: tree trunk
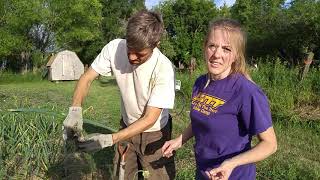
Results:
25 62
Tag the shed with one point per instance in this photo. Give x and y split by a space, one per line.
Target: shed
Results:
64 65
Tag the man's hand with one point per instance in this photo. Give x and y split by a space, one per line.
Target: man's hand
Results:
73 122
95 142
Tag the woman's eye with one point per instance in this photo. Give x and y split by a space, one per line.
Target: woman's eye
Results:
211 46
227 49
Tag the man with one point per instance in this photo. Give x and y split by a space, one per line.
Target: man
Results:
145 78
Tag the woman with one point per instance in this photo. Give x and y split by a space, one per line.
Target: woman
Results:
227 109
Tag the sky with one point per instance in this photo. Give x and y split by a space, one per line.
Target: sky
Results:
150 3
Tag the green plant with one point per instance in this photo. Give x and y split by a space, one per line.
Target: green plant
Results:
7 77
32 143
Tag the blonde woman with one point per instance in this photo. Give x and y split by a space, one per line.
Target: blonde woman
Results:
227 110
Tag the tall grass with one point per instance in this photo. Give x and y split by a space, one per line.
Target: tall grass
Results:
30 144
284 87
7 77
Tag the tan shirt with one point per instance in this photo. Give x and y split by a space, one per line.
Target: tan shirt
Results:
149 84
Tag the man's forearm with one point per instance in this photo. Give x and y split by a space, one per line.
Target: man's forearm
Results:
142 124
136 128
80 92
82 87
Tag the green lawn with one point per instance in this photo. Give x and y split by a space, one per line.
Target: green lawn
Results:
298 155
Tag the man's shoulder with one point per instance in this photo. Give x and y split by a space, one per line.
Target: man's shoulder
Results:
165 61
113 46
117 42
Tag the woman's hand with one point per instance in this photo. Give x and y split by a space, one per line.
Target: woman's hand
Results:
170 146
222 172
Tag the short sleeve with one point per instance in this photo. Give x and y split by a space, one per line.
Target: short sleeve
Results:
199 85
163 92
102 63
255 112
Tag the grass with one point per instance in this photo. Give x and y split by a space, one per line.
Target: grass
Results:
11 77
30 139
298 151
298 136
101 105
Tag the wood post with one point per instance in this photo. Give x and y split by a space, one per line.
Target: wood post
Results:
307 63
193 64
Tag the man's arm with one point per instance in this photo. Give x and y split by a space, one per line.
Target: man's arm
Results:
73 122
83 87
100 141
145 122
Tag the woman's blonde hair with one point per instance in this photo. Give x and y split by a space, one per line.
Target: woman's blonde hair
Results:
238 39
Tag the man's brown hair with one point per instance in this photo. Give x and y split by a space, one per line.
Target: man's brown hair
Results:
144 30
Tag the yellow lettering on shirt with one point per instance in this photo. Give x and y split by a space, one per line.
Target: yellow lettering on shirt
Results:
206 104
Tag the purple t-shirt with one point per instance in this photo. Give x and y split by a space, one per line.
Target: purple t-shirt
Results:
224 116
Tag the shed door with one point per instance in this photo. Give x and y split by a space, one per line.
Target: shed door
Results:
67 68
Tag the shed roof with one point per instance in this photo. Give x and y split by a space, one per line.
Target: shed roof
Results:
53 57
51 60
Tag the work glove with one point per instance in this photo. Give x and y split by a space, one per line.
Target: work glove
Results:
72 125
95 142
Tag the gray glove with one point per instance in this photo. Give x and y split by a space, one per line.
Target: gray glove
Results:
95 142
73 122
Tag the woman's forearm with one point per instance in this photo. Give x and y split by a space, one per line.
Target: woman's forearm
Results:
187 134
266 147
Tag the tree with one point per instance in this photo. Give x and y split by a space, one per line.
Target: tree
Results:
224 11
278 29
302 32
186 23
77 26
32 29
18 18
258 16
115 16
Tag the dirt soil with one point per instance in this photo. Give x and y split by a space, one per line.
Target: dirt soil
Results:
308 112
